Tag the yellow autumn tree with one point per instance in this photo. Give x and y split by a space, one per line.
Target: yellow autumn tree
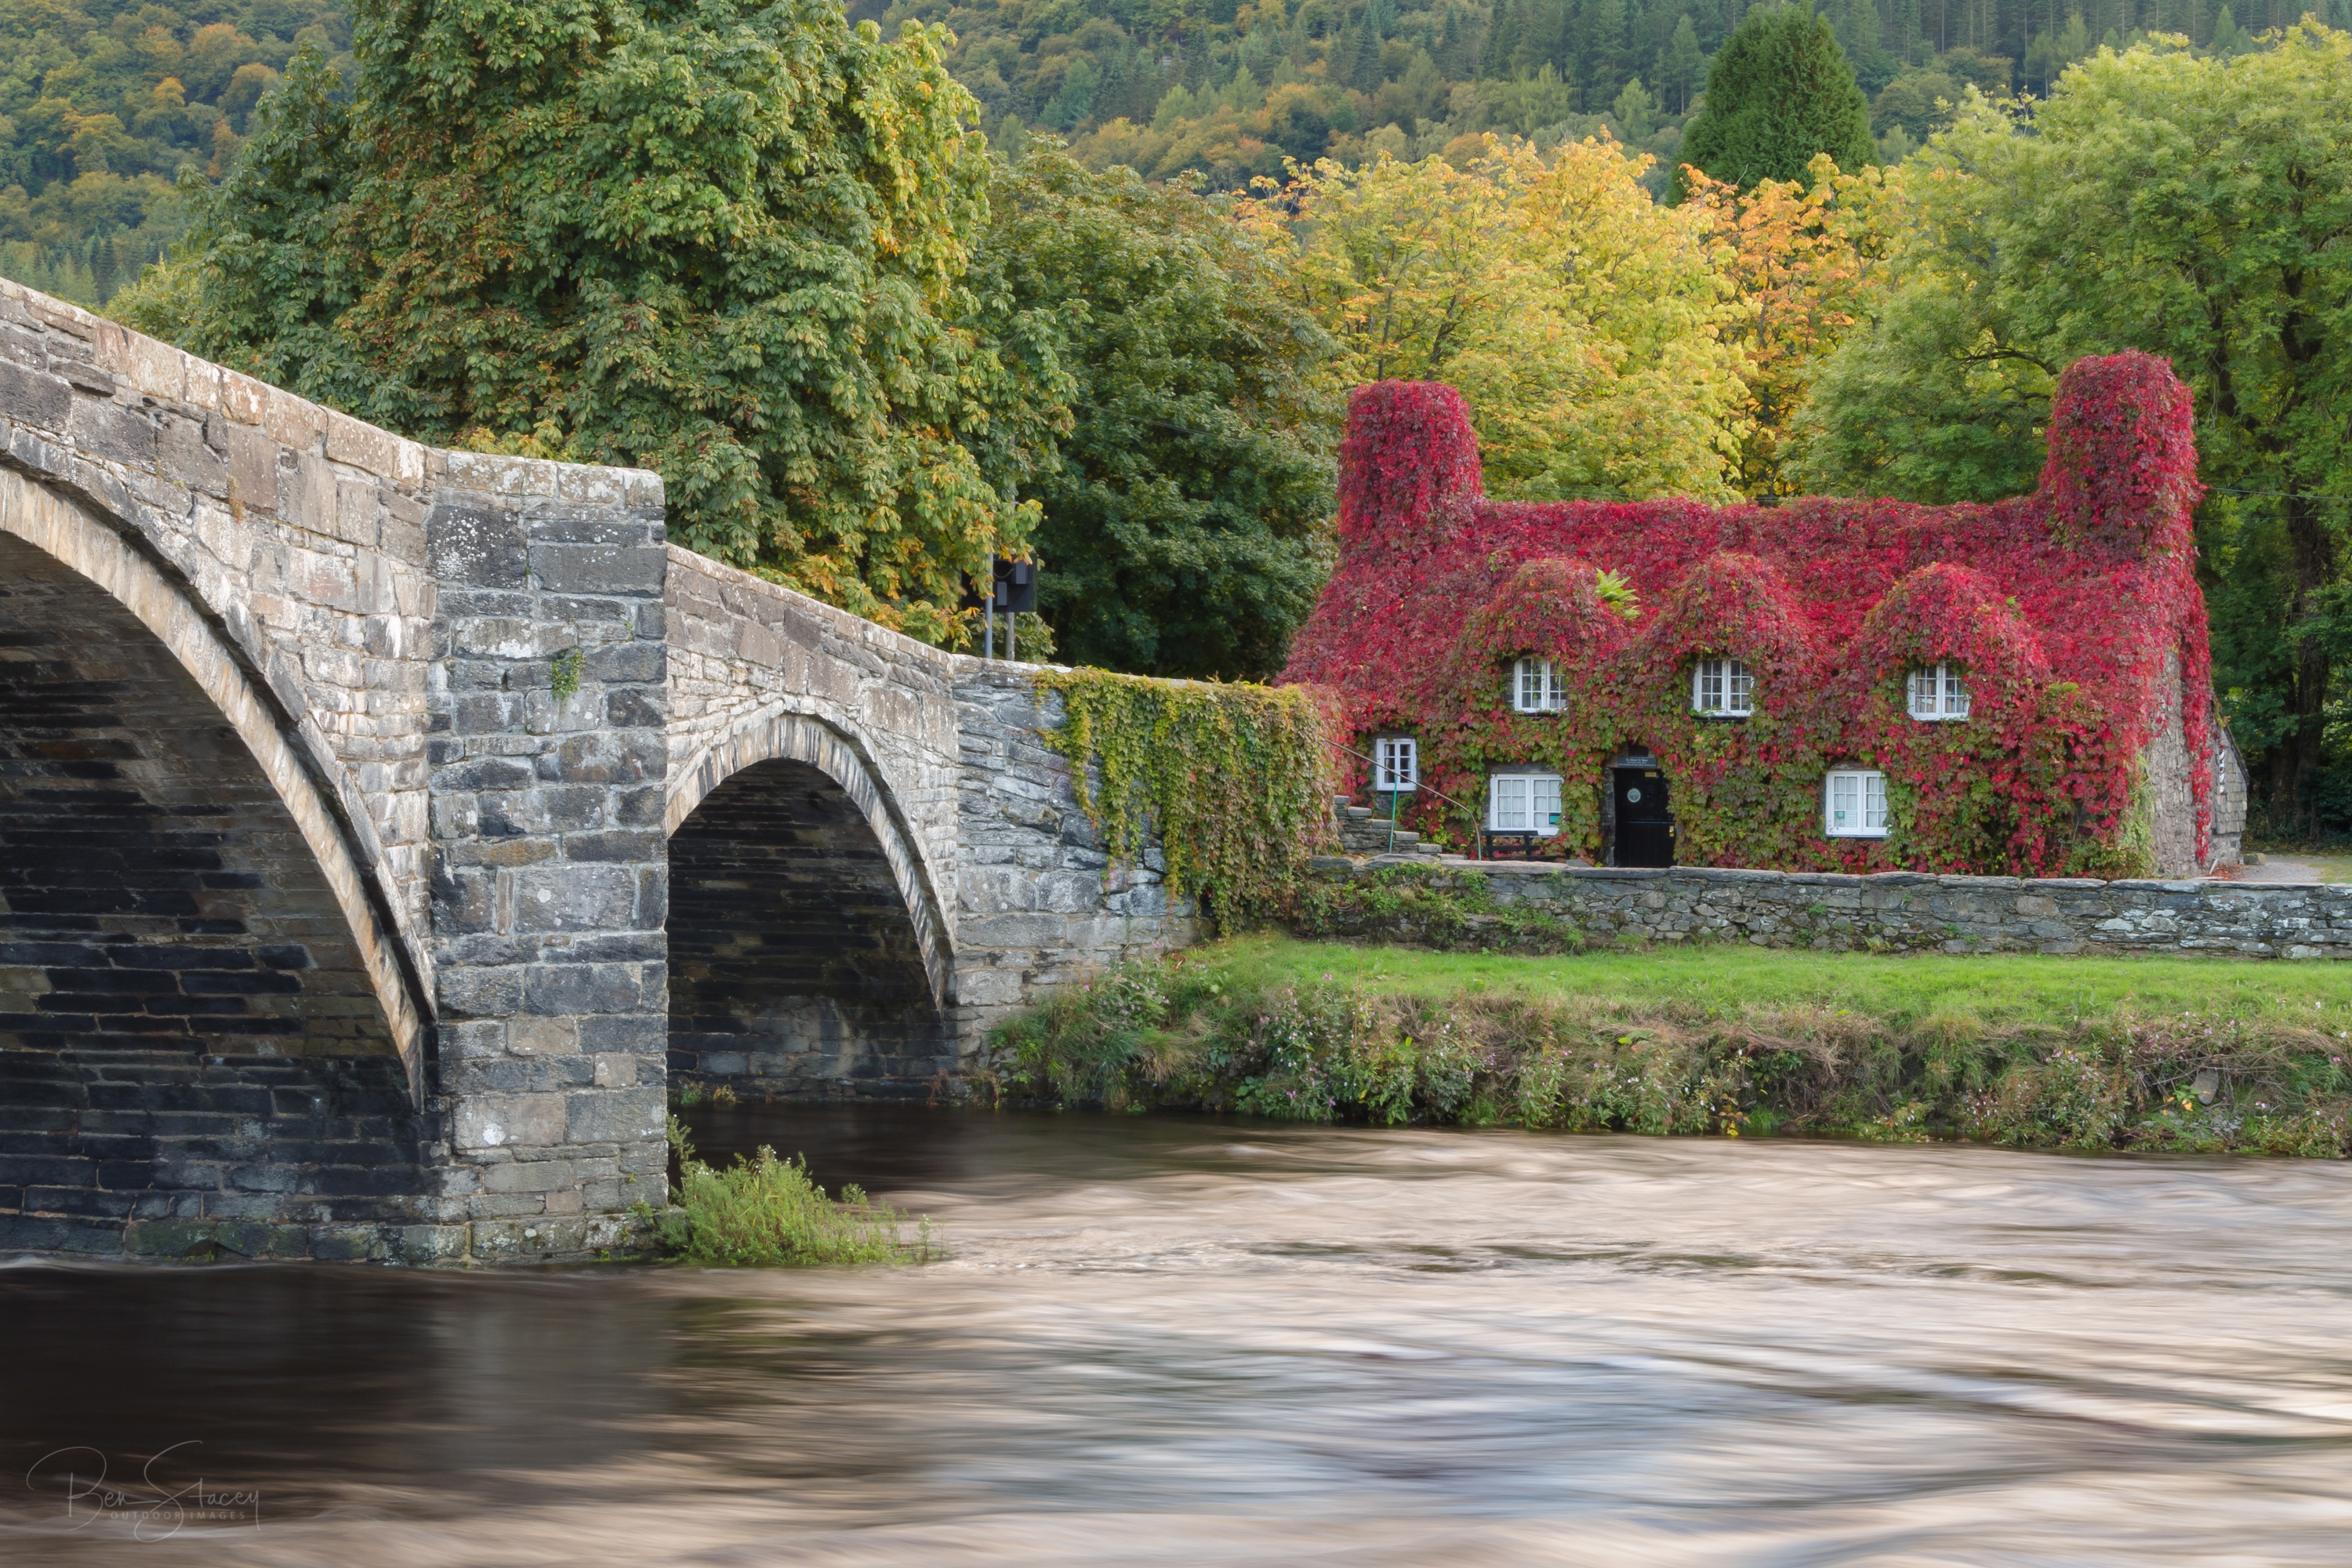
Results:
1810 259
1590 328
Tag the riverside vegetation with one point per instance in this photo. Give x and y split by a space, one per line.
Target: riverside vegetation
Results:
2084 1053
767 1212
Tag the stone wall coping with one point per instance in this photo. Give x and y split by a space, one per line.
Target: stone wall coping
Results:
838 619
155 369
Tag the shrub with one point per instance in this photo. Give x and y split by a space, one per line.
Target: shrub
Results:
767 1212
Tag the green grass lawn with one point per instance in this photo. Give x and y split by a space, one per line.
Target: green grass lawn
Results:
1991 989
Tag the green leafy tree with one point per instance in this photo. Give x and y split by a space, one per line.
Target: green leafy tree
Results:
722 240
1184 529
1945 397
1781 91
2199 208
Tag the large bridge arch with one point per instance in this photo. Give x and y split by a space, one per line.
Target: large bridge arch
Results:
204 1021
51 539
807 944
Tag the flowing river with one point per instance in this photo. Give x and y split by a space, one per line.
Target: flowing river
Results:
1175 1342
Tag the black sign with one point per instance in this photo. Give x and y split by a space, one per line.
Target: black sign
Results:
1017 586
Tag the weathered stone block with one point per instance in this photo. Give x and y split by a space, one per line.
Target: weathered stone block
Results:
508 1121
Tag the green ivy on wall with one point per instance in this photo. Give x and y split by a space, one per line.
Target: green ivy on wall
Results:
1235 782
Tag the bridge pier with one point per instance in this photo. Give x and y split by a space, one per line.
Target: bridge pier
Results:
379 825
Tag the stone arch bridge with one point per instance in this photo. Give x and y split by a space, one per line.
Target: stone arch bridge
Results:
380 825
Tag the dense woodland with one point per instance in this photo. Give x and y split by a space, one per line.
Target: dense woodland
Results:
1090 278
103 102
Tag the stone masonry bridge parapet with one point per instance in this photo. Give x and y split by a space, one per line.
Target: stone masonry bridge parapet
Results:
380 825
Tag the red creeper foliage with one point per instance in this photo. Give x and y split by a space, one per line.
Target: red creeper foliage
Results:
2073 611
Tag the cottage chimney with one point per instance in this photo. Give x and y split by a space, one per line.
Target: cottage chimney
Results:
1408 468
2122 456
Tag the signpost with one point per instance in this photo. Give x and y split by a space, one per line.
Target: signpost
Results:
1014 590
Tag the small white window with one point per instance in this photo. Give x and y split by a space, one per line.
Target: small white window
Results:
1857 807
1938 692
1523 803
1396 767
1535 687
1722 687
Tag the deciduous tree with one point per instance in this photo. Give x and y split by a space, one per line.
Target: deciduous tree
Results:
1810 259
720 240
2199 208
1585 322
1185 519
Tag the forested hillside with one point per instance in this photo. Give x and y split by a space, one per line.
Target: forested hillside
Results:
104 101
868 357
1232 91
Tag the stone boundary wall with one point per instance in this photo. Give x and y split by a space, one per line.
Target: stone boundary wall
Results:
1910 912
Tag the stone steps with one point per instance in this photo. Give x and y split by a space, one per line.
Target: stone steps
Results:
1361 833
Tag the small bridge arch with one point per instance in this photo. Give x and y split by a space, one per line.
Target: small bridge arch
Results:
779 733
807 947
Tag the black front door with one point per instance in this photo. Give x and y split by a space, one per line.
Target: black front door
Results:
1645 827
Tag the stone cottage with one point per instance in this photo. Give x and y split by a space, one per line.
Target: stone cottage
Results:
2022 686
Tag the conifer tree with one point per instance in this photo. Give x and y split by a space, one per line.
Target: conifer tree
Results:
1781 91
1906 33
1602 45
1680 66
1503 36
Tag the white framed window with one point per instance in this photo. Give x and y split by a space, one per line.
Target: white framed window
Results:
1535 687
1722 687
1937 691
1523 803
1855 805
1396 765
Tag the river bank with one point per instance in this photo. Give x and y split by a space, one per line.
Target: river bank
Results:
2081 1052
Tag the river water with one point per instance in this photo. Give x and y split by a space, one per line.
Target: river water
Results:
1175 1342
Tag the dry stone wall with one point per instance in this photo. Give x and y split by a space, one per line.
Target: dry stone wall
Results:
1908 911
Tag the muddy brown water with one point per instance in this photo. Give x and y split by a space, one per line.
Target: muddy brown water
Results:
1161 1340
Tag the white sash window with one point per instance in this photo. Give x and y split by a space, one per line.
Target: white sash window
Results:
1396 765
1722 687
1535 687
1856 806
1523 803
1938 692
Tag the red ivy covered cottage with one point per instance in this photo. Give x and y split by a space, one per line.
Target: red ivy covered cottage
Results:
2017 688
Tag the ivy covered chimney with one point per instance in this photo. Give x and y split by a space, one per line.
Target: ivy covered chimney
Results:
1408 467
2123 457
